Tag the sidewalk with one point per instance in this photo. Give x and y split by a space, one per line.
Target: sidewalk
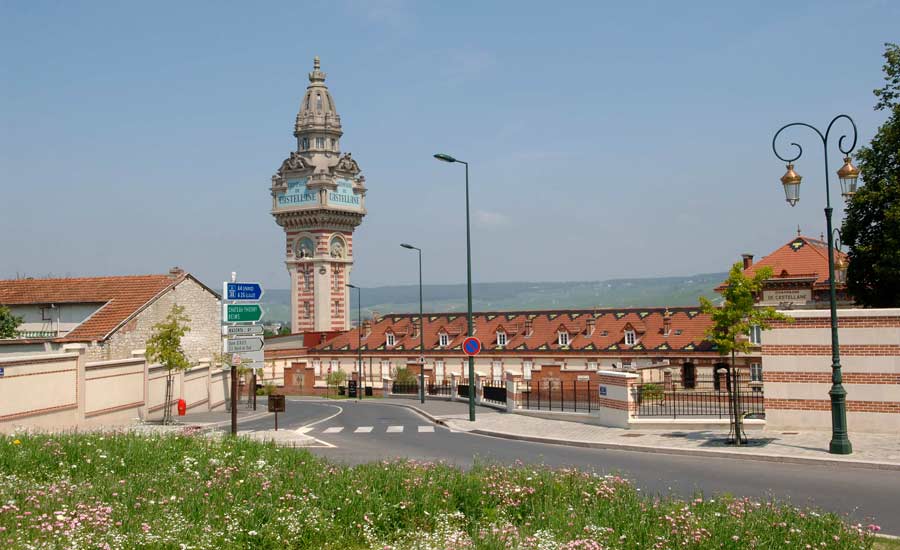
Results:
879 451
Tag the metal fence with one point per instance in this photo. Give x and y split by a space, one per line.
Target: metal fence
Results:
405 389
652 400
441 388
559 395
462 388
494 391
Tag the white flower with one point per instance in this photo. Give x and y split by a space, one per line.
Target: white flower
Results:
251 533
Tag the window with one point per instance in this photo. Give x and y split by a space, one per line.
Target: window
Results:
439 370
306 310
390 339
385 368
305 143
320 142
563 338
755 335
526 369
333 366
497 371
307 280
333 144
444 339
604 333
501 338
319 102
337 308
629 338
317 367
592 365
756 372
336 279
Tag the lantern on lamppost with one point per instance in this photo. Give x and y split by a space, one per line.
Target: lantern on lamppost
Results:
848 175
840 270
791 182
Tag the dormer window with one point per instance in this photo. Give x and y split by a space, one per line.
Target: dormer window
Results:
501 338
563 338
390 339
629 338
444 340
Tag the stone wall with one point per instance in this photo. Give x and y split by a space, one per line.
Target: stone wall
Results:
201 343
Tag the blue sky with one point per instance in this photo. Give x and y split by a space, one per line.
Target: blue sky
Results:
623 139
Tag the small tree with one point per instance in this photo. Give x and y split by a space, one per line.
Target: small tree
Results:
732 321
164 346
404 376
8 323
871 228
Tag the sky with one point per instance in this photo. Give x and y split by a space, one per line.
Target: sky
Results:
605 139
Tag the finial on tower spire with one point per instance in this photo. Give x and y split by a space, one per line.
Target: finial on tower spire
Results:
317 75
316 63
798 229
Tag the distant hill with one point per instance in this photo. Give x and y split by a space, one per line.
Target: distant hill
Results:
656 291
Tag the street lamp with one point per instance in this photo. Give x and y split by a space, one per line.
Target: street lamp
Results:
448 158
848 174
421 326
359 366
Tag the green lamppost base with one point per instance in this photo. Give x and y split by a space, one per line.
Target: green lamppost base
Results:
840 447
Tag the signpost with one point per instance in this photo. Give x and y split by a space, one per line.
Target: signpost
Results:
244 341
242 330
242 345
471 346
242 313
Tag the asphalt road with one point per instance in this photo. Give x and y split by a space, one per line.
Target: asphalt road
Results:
863 495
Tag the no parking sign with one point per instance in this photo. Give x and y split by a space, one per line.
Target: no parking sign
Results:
471 346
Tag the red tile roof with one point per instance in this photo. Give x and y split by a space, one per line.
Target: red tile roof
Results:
688 327
120 298
803 257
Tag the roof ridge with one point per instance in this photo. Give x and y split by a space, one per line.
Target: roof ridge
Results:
94 278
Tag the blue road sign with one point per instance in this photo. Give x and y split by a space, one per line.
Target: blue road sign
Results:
1 371
472 346
602 390
243 291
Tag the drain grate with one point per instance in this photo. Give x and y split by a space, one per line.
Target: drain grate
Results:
633 435
790 433
675 434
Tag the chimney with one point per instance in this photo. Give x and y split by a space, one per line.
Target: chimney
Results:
667 321
414 329
748 260
528 327
175 272
366 328
591 324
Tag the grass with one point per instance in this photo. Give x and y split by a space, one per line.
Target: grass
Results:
129 491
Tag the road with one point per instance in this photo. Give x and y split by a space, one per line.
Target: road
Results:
861 494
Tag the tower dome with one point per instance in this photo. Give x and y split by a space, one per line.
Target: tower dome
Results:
318 125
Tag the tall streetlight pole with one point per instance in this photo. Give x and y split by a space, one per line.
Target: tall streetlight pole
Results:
359 366
448 158
421 326
848 174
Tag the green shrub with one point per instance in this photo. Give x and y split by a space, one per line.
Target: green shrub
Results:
405 376
336 378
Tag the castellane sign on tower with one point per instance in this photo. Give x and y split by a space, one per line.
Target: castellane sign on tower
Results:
318 198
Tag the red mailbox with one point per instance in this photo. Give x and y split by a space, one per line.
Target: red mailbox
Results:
182 407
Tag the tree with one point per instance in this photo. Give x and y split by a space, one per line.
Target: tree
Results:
164 347
732 321
871 227
8 323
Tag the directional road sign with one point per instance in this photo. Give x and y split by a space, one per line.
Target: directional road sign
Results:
242 330
249 359
243 291
241 345
471 346
242 313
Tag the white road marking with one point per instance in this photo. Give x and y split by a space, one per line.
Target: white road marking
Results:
305 428
394 429
426 429
333 430
363 430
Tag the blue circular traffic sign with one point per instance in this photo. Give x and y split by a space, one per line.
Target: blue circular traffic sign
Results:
472 346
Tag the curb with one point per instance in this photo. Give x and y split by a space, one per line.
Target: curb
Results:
693 452
428 416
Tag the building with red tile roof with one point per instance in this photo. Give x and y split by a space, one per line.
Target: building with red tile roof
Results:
800 275
112 316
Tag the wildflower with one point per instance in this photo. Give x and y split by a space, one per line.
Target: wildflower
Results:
16 442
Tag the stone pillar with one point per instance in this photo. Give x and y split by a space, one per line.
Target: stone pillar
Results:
478 387
386 386
511 395
454 384
722 376
667 379
80 376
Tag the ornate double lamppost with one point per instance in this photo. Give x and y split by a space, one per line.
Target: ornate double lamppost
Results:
848 175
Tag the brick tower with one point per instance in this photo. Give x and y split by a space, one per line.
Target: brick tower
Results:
318 197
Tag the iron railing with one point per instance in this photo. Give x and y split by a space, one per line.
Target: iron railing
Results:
405 389
494 391
653 400
462 388
560 395
441 388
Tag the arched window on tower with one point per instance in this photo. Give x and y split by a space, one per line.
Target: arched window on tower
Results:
305 143
319 103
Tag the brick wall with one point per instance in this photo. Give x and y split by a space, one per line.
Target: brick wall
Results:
796 360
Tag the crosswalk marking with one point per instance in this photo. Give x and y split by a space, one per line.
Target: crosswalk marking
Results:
333 430
394 429
426 429
363 430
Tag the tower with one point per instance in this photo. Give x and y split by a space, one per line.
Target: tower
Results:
318 197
